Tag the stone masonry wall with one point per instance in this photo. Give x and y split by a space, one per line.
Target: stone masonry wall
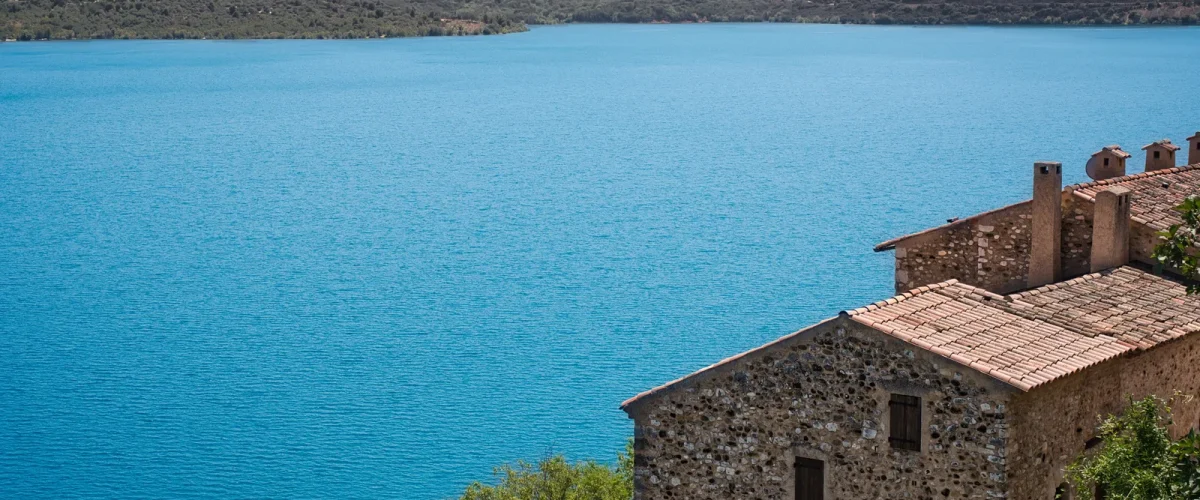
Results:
1142 241
1076 237
990 251
823 393
1051 424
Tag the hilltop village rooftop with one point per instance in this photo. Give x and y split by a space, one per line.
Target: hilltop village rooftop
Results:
1011 332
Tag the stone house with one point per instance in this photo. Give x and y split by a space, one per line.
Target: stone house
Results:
982 385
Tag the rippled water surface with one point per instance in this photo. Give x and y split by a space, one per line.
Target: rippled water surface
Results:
369 269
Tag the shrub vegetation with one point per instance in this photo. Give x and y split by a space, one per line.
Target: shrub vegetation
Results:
554 478
1138 460
77 19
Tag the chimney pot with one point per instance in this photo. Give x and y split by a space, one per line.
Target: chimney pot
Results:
1194 149
1110 229
1107 163
1160 155
1045 253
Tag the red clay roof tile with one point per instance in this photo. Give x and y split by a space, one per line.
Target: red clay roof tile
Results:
1029 338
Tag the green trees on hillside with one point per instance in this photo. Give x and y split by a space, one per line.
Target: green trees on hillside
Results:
554 478
1138 460
171 19
71 19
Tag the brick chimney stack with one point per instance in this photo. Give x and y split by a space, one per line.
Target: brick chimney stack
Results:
1194 149
1107 163
1045 253
1110 229
1160 155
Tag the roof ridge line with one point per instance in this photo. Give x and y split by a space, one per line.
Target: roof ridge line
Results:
714 366
1130 177
1016 297
889 244
896 299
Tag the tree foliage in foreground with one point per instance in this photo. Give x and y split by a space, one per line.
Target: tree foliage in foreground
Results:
1138 460
1176 250
554 478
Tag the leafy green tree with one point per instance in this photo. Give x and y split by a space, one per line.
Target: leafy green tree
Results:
1176 251
554 478
1138 460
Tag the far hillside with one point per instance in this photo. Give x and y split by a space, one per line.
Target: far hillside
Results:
75 19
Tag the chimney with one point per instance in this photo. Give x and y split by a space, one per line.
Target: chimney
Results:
1110 229
1045 262
1107 163
1160 155
1194 149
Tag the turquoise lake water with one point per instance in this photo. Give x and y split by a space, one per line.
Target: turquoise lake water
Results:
375 269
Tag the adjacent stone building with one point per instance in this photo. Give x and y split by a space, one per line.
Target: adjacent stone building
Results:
980 386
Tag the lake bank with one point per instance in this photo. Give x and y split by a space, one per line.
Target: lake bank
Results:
377 269
309 19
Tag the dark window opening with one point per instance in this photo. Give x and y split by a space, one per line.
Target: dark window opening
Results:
906 422
1092 443
1156 154
810 479
1061 492
1106 162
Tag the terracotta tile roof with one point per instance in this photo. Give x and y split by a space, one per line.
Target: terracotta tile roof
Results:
1165 144
1024 339
1155 194
1153 204
979 329
1132 305
1114 149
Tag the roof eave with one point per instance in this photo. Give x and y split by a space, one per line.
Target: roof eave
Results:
630 405
890 244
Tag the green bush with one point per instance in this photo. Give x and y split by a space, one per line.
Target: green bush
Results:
554 478
1139 461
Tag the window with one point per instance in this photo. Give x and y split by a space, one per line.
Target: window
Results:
1106 162
1062 492
810 479
906 422
1156 154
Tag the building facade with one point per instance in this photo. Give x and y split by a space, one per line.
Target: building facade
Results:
984 386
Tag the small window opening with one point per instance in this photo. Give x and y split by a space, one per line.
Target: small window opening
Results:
905 421
810 479
1092 443
1157 154
1062 492
1106 162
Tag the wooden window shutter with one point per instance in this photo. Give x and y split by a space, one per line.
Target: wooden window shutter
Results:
905 422
810 479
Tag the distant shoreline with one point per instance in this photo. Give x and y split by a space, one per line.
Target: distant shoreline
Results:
1176 15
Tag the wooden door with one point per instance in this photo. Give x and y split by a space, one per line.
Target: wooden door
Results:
810 479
